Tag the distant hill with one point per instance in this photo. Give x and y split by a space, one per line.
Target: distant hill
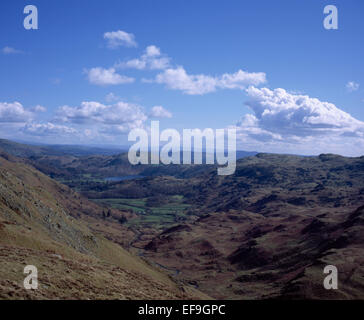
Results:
81 150
24 150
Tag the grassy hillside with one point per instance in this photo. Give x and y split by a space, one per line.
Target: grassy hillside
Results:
36 227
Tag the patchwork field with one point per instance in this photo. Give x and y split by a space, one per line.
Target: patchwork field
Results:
158 217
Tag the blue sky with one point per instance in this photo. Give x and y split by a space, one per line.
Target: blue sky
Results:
96 69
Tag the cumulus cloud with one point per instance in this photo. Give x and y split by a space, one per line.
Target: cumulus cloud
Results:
160 112
39 108
151 59
108 119
47 129
240 79
178 79
103 77
121 114
10 50
14 112
119 38
283 121
352 86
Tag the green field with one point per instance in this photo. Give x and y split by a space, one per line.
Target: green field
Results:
168 213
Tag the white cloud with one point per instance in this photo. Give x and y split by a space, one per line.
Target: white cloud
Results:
111 97
160 112
10 50
113 119
352 86
103 77
39 108
14 112
121 114
151 59
152 51
178 79
119 38
47 129
284 122
240 79
133 64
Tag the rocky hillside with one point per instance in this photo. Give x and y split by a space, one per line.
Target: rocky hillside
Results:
246 255
268 230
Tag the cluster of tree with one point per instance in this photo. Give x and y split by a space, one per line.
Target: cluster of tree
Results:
123 220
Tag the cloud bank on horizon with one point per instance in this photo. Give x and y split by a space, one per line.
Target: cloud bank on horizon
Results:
283 121
279 121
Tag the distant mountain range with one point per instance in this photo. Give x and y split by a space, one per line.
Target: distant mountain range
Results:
28 150
23 149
